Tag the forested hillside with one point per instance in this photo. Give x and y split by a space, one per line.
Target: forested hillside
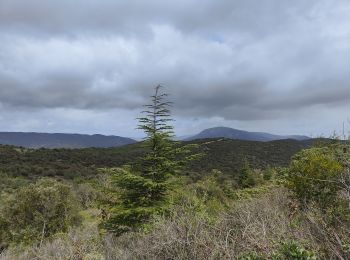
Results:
223 154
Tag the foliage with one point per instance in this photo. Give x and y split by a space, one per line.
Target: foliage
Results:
261 226
269 173
222 154
313 175
204 199
132 205
246 176
144 187
9 184
254 226
251 193
37 211
291 250
228 156
86 194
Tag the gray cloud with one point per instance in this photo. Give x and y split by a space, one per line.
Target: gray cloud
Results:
134 16
241 63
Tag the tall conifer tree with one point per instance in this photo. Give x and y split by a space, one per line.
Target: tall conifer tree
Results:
143 188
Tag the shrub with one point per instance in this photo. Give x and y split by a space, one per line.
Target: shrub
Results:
251 226
86 194
313 175
291 250
269 173
37 211
246 176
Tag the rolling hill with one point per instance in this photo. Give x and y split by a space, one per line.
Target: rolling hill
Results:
225 155
45 140
232 133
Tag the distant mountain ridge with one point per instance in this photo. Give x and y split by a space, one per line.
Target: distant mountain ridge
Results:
63 140
58 140
231 133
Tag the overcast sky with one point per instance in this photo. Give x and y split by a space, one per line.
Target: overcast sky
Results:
88 66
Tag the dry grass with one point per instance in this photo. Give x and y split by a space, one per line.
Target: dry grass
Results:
333 240
78 244
257 225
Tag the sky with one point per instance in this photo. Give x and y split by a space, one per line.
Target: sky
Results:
88 66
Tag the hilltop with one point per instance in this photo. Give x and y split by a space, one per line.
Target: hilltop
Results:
231 133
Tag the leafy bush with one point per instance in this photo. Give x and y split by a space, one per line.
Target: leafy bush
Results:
313 175
37 211
9 183
291 250
246 176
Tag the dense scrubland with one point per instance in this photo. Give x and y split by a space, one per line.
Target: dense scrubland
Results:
226 155
160 199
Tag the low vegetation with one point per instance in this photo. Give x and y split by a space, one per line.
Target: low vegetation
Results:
37 211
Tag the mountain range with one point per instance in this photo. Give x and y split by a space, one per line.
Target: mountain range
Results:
58 140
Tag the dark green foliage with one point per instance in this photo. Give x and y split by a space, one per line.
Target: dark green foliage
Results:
143 188
159 160
246 176
64 163
37 211
269 173
228 156
133 199
222 154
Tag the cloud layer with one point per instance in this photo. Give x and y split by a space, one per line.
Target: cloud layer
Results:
273 65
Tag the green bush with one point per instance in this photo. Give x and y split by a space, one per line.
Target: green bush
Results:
269 173
9 183
37 211
291 250
313 175
246 176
